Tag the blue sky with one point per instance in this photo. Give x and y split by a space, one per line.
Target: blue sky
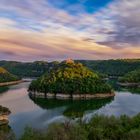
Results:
59 29
89 6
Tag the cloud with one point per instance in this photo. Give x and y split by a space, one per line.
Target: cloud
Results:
125 18
32 30
35 46
6 23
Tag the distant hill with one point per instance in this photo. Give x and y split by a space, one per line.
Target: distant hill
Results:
27 69
117 67
5 76
131 77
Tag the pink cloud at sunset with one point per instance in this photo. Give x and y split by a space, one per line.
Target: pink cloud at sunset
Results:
41 31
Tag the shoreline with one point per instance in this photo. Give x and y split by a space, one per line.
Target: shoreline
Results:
4 120
60 96
129 84
11 83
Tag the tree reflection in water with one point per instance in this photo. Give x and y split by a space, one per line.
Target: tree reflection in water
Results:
3 89
74 108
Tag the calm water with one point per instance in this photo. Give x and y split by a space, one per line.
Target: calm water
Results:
39 113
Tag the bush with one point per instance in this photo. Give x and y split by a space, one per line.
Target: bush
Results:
98 128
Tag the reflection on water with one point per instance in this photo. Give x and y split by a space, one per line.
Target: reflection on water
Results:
3 89
39 113
78 109
24 111
73 109
123 103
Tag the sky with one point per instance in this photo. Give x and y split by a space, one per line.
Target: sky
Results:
32 30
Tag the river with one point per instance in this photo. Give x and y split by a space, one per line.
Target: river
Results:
40 113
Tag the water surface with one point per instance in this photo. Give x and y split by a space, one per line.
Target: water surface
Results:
40 113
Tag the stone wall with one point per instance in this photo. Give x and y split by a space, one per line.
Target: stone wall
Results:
67 96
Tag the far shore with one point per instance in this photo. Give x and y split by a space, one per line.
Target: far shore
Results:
74 97
11 83
129 84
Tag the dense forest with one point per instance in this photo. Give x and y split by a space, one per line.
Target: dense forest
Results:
131 77
5 76
70 78
35 69
98 128
30 69
112 67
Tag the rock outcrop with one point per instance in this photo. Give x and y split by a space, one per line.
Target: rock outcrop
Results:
4 112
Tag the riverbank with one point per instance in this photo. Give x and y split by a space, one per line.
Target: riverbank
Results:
129 84
60 96
11 83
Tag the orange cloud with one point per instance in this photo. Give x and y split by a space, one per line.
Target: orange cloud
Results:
56 42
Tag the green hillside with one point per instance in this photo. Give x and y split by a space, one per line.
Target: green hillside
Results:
117 67
112 67
131 77
27 69
5 76
70 78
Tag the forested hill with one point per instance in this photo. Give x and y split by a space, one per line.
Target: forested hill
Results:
27 69
117 67
35 69
131 77
70 78
5 76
